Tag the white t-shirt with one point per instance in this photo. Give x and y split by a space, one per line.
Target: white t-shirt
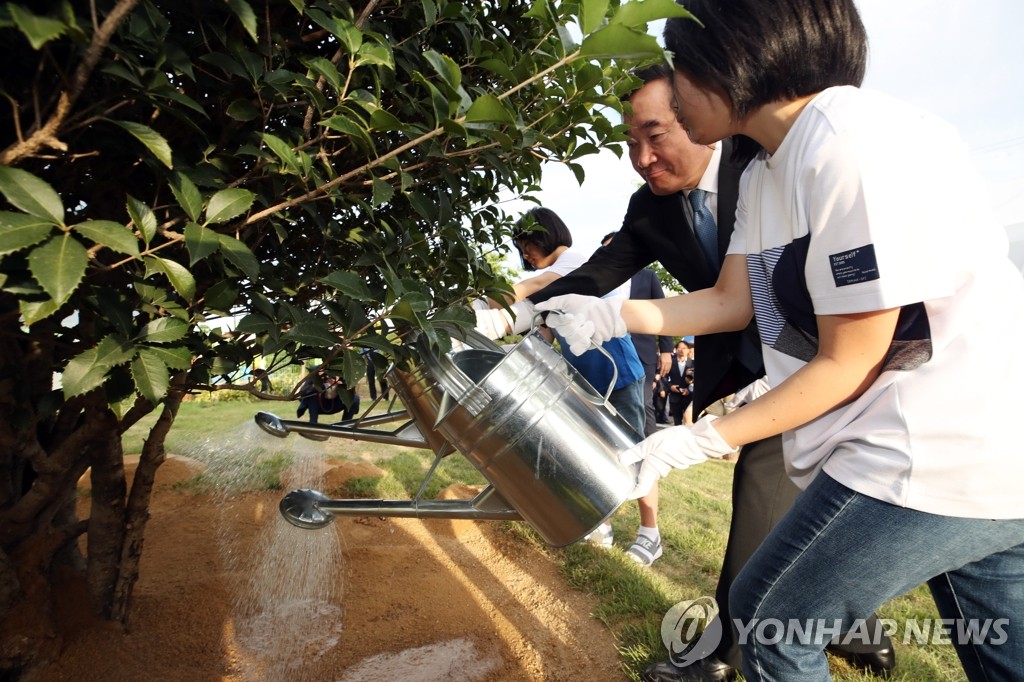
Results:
871 204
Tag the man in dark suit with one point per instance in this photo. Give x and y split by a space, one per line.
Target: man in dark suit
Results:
679 397
655 351
660 225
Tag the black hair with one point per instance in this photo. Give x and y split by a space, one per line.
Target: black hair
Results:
755 52
554 234
647 74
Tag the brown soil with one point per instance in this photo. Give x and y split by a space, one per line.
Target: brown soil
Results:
230 592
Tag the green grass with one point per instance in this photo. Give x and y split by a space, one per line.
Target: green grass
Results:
694 519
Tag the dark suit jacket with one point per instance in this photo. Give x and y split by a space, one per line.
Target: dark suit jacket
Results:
658 229
645 286
677 378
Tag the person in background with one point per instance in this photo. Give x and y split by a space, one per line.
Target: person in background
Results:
320 393
549 253
371 377
659 225
875 289
660 398
655 352
680 376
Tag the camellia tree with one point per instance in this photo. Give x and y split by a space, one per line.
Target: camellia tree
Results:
324 173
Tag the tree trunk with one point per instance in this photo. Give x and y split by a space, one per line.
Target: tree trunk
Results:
137 513
106 516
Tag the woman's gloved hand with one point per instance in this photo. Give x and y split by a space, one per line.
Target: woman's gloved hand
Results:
494 323
677 447
582 320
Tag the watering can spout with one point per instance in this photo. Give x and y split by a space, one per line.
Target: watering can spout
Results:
311 509
272 424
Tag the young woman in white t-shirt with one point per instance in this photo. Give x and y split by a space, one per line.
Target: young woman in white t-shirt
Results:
866 248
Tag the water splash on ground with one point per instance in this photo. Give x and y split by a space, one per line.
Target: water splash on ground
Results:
287 612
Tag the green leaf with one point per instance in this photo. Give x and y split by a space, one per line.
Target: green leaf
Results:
143 217
31 195
222 295
88 370
592 14
163 330
227 204
617 41
345 31
372 54
178 275
187 194
176 357
417 301
153 140
539 10
282 149
33 311
19 231
243 110
326 69
39 30
382 192
151 376
314 333
488 108
200 242
114 236
348 283
59 265
438 101
350 127
445 67
240 256
244 12
382 120
254 323
639 14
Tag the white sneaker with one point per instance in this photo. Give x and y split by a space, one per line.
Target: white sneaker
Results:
644 550
602 535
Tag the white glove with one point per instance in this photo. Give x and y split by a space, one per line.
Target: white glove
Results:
677 447
494 323
747 394
582 320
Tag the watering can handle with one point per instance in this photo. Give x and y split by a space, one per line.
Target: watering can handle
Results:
615 369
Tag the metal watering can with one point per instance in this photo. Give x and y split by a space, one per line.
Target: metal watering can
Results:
545 440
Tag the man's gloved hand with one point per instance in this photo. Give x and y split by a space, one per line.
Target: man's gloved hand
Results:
495 323
677 447
582 320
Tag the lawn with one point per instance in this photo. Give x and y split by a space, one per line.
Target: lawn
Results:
631 601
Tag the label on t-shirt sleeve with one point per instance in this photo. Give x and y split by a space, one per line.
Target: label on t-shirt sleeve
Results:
854 266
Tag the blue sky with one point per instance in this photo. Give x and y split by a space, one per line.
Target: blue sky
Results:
961 60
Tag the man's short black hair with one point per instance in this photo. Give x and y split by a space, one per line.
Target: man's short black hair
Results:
648 74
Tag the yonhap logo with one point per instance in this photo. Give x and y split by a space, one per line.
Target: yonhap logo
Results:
691 630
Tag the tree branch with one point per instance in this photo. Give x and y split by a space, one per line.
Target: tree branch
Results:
46 135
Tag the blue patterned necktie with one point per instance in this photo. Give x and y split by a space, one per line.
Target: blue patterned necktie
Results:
704 227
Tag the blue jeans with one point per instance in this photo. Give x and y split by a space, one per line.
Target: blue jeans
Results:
628 401
838 555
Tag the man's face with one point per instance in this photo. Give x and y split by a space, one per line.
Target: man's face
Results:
659 148
682 351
